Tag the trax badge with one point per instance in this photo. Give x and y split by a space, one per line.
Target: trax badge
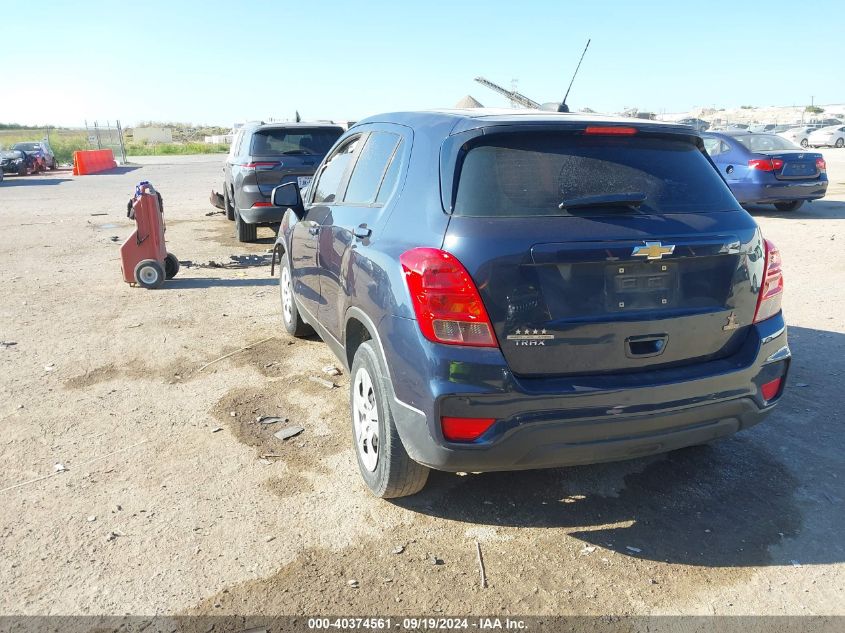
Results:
731 324
528 336
653 250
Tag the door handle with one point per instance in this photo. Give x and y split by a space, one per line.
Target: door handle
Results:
361 231
314 229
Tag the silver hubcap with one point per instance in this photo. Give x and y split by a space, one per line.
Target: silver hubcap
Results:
287 296
365 418
149 275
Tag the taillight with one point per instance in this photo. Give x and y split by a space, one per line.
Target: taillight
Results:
262 204
771 389
446 301
821 165
765 164
610 130
771 290
464 429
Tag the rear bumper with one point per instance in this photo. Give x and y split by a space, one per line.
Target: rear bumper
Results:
779 191
262 215
544 423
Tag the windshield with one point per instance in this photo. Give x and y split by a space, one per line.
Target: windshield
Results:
765 142
27 147
307 141
532 174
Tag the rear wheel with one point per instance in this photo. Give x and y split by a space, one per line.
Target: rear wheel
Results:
24 170
244 231
55 164
149 274
804 143
839 143
291 319
171 266
792 205
382 459
227 205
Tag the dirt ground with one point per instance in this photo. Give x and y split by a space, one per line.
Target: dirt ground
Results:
174 499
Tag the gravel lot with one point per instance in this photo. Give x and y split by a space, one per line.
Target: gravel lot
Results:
167 505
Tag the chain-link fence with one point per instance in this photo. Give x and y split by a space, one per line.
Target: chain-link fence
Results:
107 136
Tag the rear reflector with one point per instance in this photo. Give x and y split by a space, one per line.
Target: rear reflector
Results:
465 429
447 304
765 164
771 290
611 130
262 204
771 389
821 165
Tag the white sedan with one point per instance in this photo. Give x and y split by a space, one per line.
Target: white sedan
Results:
798 135
833 136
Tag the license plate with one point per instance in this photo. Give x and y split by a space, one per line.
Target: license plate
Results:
639 286
303 181
798 169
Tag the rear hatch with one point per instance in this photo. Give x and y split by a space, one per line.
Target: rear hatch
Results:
604 285
289 154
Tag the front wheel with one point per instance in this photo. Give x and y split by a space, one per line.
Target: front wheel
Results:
382 459
792 205
294 325
149 274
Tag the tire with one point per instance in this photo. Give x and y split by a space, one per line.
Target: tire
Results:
227 205
383 461
171 266
804 143
55 165
149 274
23 170
243 231
291 319
792 205
839 143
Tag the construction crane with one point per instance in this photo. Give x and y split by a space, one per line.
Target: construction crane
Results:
513 95
521 99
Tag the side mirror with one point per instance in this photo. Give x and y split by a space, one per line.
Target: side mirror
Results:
287 195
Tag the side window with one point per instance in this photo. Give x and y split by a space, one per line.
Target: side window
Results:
233 150
370 168
391 177
332 175
713 146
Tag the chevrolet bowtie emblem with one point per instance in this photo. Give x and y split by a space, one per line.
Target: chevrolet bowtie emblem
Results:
653 250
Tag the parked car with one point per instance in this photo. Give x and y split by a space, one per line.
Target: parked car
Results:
798 135
15 161
41 151
263 156
699 125
833 136
759 128
520 290
819 123
767 169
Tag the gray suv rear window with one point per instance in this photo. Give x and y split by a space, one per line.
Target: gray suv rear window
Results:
531 174
302 141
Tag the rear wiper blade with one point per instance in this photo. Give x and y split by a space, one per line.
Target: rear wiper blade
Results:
630 200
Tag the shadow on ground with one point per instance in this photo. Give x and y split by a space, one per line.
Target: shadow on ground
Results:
818 210
23 181
185 283
722 504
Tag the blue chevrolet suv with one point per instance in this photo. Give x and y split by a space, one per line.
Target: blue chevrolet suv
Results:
518 289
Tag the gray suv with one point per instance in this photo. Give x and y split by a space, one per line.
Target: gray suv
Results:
264 155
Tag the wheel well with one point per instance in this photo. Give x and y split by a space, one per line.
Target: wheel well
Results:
356 333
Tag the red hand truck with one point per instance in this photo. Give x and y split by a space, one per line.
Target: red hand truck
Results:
144 259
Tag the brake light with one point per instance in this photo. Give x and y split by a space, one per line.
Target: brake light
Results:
771 290
821 165
266 163
262 204
765 164
771 389
610 130
447 304
464 429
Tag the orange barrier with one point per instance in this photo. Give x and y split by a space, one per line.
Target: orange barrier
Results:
92 161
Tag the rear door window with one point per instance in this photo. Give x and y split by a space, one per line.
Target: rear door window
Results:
531 174
370 168
294 141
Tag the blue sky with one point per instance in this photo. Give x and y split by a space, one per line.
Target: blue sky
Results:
220 62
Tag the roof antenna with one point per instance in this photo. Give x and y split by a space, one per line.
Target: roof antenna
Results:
299 118
563 107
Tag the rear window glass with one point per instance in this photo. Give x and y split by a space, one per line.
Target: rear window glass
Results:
532 174
764 142
302 141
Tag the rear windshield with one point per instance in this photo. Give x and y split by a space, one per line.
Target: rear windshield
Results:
302 141
764 142
29 147
532 174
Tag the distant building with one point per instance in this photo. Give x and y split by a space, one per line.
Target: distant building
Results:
152 135
220 139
